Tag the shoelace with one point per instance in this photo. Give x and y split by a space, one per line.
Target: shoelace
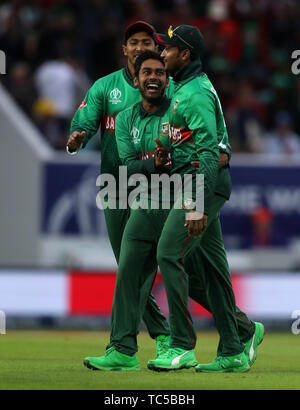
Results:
162 345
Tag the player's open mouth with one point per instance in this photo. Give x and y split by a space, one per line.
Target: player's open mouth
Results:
152 87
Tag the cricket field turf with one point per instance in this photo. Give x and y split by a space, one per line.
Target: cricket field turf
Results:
53 360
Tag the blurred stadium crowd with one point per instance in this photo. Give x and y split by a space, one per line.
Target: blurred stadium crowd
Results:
56 49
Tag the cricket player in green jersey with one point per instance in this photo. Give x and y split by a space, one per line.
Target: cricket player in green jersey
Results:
196 124
137 129
105 99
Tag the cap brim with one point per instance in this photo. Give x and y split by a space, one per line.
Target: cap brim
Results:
164 40
138 26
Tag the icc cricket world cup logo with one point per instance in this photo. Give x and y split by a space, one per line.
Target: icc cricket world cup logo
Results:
115 96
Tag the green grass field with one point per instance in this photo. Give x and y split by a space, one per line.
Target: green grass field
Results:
53 360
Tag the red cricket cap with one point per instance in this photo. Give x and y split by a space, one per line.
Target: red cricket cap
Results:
137 27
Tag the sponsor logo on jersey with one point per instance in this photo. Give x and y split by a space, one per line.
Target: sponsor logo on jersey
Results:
108 123
164 131
115 96
135 135
177 135
175 106
83 104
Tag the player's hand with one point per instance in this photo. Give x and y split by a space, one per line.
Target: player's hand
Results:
76 140
196 223
161 154
223 159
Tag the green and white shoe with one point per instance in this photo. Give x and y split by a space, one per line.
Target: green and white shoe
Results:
112 360
225 364
162 344
173 359
253 343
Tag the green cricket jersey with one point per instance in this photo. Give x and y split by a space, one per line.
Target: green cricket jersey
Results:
105 99
198 130
136 130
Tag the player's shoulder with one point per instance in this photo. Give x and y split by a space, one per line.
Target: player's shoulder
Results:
200 82
109 79
130 111
205 85
201 88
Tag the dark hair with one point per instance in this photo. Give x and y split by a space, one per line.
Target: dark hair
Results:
146 55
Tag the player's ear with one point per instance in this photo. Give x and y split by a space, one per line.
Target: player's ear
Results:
168 82
135 81
124 50
186 54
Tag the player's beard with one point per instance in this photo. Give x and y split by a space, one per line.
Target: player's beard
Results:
155 100
173 65
174 70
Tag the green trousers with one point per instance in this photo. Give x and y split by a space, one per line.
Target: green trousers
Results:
137 271
211 276
156 323
208 255
135 278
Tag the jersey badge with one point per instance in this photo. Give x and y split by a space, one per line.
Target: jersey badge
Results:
164 131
